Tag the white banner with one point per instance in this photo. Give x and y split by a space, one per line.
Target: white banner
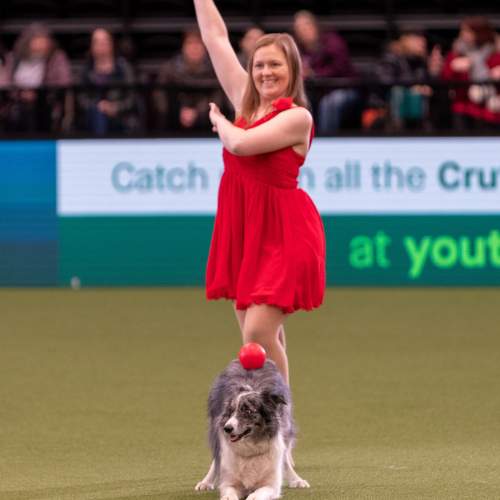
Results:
363 176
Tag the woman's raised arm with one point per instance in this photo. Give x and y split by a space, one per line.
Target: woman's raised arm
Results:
228 69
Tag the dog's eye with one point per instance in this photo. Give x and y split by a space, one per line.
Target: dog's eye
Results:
245 408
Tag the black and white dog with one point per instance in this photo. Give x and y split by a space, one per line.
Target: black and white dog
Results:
251 433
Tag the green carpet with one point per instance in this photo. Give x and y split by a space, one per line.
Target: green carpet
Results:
103 393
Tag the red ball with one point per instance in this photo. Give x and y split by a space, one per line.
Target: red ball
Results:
252 356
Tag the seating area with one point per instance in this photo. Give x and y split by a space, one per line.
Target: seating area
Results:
150 31
154 26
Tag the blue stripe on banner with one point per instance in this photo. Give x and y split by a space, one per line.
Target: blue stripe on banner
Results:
28 218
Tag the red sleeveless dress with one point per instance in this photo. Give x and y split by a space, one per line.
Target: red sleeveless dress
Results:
268 243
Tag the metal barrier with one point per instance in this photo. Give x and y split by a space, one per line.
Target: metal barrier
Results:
385 108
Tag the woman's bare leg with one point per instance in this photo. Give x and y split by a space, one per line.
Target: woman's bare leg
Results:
262 324
281 336
241 315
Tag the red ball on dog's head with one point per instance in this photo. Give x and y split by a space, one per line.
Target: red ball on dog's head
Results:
252 356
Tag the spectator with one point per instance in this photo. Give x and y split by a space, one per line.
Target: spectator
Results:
3 69
407 60
325 54
247 43
107 110
189 109
474 57
3 83
37 61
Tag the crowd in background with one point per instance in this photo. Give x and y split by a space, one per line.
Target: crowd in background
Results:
39 92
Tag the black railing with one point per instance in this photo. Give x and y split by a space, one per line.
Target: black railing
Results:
153 110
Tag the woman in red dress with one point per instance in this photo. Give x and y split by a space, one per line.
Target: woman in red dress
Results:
268 248
474 57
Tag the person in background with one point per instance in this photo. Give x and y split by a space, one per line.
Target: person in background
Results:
107 110
189 109
475 57
3 83
37 61
3 69
247 44
406 59
325 54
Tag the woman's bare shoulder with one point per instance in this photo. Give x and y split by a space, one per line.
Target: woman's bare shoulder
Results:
299 115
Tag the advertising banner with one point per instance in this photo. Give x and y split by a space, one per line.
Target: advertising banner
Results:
397 211
343 176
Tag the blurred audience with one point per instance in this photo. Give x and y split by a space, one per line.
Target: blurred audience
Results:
3 83
107 109
325 54
191 66
37 61
475 57
247 43
3 69
406 59
38 92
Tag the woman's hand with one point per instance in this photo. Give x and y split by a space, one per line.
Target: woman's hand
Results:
461 64
109 108
188 116
495 73
214 115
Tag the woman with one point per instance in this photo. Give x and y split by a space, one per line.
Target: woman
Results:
189 110
37 61
268 250
473 58
325 54
108 110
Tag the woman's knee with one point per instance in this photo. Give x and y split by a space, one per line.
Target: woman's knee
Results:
262 336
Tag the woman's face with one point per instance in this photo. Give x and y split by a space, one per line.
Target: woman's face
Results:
306 30
247 43
467 35
101 44
270 72
193 50
40 47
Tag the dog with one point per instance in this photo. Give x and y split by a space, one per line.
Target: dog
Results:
251 434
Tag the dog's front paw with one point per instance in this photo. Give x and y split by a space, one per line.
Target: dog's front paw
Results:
204 486
264 493
298 483
258 496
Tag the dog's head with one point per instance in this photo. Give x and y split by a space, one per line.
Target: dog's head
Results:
252 414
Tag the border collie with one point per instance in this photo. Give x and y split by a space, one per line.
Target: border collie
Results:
251 434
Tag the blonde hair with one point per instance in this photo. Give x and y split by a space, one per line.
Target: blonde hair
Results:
295 90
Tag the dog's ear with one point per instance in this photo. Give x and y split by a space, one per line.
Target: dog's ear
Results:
274 398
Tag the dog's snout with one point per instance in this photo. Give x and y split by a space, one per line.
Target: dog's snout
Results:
228 428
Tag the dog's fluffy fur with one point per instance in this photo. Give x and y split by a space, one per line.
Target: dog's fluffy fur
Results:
251 434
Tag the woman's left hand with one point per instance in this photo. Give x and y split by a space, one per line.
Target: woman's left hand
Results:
214 115
495 73
109 108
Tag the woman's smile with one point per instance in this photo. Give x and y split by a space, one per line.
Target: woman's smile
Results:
270 72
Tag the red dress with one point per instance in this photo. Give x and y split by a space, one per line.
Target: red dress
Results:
268 242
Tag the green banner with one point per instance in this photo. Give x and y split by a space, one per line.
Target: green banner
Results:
361 250
413 250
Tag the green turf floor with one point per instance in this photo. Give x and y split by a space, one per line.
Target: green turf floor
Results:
103 393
